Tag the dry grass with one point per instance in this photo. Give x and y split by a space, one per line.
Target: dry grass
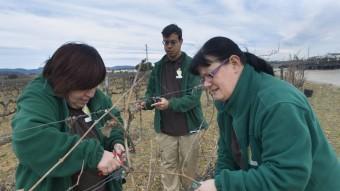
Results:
325 101
326 104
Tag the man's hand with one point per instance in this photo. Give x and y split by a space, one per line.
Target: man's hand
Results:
208 185
140 105
163 104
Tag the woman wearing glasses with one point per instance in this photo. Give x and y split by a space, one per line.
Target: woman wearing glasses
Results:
270 139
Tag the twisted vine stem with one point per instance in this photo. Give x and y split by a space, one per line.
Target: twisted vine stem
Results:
61 160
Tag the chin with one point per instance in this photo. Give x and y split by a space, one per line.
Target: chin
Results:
218 99
215 95
79 106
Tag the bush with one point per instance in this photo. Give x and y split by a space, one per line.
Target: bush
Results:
12 76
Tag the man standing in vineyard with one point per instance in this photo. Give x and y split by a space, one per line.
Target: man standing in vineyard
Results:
178 115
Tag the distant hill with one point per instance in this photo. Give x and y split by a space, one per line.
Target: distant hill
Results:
124 67
21 71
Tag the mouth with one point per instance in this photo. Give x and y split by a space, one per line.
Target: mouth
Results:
84 101
213 91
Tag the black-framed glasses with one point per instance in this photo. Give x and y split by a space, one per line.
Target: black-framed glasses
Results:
169 42
209 76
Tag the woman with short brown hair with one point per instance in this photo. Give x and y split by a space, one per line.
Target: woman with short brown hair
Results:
53 112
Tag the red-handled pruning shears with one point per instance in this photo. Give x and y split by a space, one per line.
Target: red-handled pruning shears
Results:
118 157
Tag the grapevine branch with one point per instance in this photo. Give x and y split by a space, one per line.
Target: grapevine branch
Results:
61 160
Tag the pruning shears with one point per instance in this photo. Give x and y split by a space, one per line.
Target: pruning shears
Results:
118 157
121 172
156 99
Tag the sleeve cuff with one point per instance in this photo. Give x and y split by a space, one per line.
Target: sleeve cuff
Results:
117 141
170 104
96 159
218 182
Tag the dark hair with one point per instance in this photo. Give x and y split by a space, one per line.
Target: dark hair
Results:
74 66
259 64
170 29
222 48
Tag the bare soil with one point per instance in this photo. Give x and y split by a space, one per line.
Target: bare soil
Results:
145 161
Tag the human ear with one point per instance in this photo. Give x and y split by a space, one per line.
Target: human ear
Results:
181 41
236 63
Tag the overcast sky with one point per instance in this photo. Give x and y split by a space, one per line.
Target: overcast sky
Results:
31 30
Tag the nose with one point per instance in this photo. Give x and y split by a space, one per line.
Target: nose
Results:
206 83
169 46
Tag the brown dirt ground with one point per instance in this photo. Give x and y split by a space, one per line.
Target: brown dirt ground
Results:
325 101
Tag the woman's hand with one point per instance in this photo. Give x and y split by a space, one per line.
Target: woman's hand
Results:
107 163
208 185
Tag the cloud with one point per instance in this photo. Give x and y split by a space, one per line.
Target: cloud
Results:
32 30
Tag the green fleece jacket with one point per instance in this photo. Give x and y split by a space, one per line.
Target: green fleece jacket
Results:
189 103
281 142
40 138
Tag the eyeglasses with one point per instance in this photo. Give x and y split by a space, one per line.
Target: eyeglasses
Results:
171 42
209 76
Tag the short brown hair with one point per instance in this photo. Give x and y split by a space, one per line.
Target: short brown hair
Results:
172 29
74 66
